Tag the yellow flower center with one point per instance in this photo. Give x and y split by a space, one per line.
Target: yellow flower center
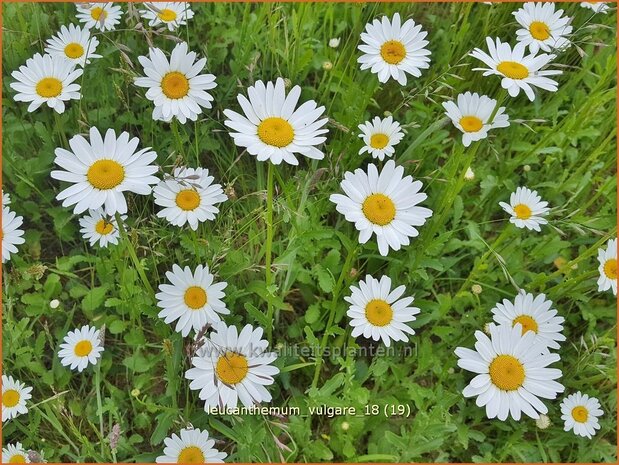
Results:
379 141
188 200
276 131
83 348
232 368
610 268
167 15
471 123
580 414
513 70
74 50
191 454
10 398
378 312
195 297
379 209
523 212
528 323
393 52
17 458
98 13
539 30
103 227
175 85
105 174
49 87
506 372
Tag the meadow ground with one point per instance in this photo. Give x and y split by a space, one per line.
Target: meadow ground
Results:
563 145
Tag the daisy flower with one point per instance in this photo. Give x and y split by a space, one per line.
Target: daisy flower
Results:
14 453
534 313
597 7
102 16
6 199
272 129
74 44
193 446
46 79
471 115
392 49
377 312
14 397
176 86
608 267
526 209
189 196
194 299
80 348
100 228
232 367
101 170
517 70
580 413
384 204
11 234
172 14
380 136
542 27
512 372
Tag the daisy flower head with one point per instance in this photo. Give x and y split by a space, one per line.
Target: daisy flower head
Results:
189 196
14 397
526 209
232 367
471 115
512 372
517 70
580 413
73 44
102 169
192 298
380 136
385 204
46 79
377 312
80 348
175 86
608 267
14 453
535 314
271 128
393 50
12 236
543 27
6 199
192 446
597 7
171 14
102 16
99 228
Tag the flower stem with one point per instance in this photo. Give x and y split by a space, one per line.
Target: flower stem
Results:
99 404
134 258
269 249
332 310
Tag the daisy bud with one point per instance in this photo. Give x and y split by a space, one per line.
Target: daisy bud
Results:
287 83
469 175
345 426
543 421
487 328
135 392
334 43
327 65
37 271
387 113
476 289
54 304
451 370
526 168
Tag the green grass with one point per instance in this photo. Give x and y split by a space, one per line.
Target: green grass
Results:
563 145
